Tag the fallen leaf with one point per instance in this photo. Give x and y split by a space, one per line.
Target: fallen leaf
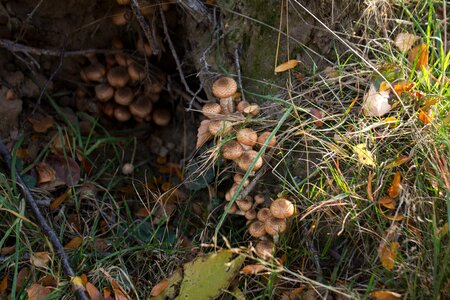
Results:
252 269
392 122
37 292
40 259
159 287
387 202
119 293
290 64
57 202
41 124
395 188
429 101
376 104
203 134
74 243
398 162
22 278
7 250
385 295
48 280
4 284
419 56
46 173
425 118
387 253
364 156
369 186
402 86
106 293
93 292
143 212
397 217
404 41
317 116
66 169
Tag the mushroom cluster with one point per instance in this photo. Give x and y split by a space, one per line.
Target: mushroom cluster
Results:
123 14
123 87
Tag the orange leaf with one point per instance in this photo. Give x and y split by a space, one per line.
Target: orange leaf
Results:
159 287
40 259
387 254
425 118
252 269
398 162
397 217
369 186
93 292
106 293
385 295
403 86
419 55
290 64
74 243
41 124
4 284
203 134
37 292
48 280
428 103
46 173
387 202
57 202
395 188
83 279
119 293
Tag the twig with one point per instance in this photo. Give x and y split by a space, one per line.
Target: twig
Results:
17 47
45 227
238 71
145 27
197 9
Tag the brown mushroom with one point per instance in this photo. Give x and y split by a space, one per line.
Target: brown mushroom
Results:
265 249
264 136
259 198
108 109
104 92
93 72
123 96
256 229
141 107
250 214
219 127
136 72
237 178
118 77
233 209
246 159
244 204
161 117
282 208
241 106
154 97
274 226
211 110
120 16
224 89
122 114
263 214
144 47
253 109
232 150
116 42
123 59
123 2
247 136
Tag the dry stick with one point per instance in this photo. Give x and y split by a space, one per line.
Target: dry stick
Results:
238 71
137 12
45 227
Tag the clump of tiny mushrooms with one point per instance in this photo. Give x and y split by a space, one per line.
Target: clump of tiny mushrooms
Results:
122 86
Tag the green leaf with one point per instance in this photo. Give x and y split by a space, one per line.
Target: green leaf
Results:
203 278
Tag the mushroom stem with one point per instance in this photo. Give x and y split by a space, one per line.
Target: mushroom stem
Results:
227 105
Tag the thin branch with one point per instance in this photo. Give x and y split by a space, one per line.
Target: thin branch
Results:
145 27
238 71
43 224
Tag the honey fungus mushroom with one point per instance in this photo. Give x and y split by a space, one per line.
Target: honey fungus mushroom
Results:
282 208
224 88
211 110
265 249
123 96
247 136
257 229
263 138
161 117
93 72
219 127
104 92
141 107
232 150
122 114
118 76
274 226
245 161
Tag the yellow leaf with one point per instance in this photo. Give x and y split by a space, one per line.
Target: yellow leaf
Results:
77 281
395 188
385 295
40 259
397 217
419 56
290 64
252 269
392 122
387 254
159 287
364 156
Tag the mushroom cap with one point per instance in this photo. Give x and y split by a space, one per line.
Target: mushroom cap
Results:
244 162
154 97
274 226
232 150
264 249
136 72
259 198
144 47
124 96
116 42
250 214
155 87
263 214
104 92
241 106
119 16
256 229
282 208
247 136
127 169
161 117
233 209
253 109
108 109
237 178
219 127
123 59
122 114
244 204
118 76
123 2
211 109
224 87
94 72
264 136
141 107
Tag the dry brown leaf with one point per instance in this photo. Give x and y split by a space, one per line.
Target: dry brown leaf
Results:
119 293
317 116
106 293
37 292
74 243
4 284
385 295
252 269
404 41
143 212
369 186
160 287
7 250
419 56
57 202
40 259
41 124
203 134
425 117
387 202
46 174
93 292
387 253
22 278
395 188
48 280
290 64
398 162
